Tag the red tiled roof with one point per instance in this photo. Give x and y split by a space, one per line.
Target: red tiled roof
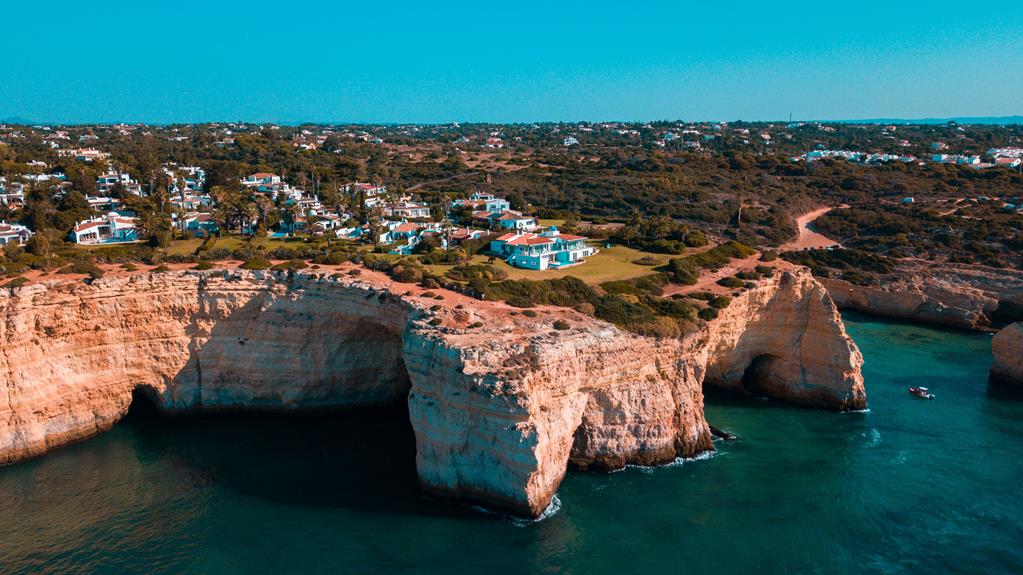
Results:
570 237
406 227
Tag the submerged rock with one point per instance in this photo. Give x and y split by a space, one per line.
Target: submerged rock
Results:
498 411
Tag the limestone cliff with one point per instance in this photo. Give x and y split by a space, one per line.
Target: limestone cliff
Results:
956 295
1007 348
498 411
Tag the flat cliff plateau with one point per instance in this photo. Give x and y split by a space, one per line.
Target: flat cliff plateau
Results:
1007 348
953 295
498 410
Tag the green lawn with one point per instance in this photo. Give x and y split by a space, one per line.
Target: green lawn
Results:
556 223
233 242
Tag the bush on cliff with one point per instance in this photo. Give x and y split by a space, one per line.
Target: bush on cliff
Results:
256 262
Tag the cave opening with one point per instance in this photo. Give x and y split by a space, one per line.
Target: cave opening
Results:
145 404
756 377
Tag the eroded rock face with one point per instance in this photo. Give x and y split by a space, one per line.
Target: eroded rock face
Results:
498 411
785 339
955 295
1007 348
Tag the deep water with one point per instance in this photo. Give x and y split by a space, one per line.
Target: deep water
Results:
911 486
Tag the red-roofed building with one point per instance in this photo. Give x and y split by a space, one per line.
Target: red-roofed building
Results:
548 250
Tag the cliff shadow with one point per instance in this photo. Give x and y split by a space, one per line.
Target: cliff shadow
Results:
281 402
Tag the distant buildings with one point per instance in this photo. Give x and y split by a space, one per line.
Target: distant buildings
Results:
406 210
107 182
83 154
263 182
508 220
481 201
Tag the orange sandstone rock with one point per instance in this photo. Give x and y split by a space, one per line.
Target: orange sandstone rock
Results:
498 411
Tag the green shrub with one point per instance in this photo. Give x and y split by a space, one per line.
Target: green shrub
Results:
291 265
406 273
16 282
436 321
203 265
720 302
730 282
256 262
647 261
708 313
83 267
561 325
475 325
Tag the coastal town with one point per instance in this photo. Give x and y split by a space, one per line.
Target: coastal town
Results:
76 171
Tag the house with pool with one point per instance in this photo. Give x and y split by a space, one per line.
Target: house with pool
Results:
549 249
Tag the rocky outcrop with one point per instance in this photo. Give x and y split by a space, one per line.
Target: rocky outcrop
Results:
1007 348
954 295
785 339
498 411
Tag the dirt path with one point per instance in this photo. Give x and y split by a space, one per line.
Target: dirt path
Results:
808 238
449 178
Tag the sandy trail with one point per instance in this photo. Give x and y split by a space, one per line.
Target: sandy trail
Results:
808 238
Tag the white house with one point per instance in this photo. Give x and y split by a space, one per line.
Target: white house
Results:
13 234
111 228
482 201
548 250
11 192
508 220
406 210
106 183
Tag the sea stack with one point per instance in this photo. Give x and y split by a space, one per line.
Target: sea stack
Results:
1007 348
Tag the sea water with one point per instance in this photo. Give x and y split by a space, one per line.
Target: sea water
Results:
910 486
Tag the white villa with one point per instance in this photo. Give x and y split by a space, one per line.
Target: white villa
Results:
11 192
13 234
406 210
372 193
106 183
482 201
547 250
111 228
508 220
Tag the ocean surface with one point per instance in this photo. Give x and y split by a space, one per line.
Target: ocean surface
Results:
911 486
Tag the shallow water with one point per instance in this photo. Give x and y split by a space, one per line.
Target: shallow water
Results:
911 486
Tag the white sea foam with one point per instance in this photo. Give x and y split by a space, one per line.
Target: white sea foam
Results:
677 462
551 511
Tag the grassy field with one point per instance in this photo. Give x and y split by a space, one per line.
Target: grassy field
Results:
551 222
233 242
608 264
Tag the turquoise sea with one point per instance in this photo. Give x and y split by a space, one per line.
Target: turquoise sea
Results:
911 486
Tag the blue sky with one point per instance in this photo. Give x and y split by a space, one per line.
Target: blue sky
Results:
187 61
